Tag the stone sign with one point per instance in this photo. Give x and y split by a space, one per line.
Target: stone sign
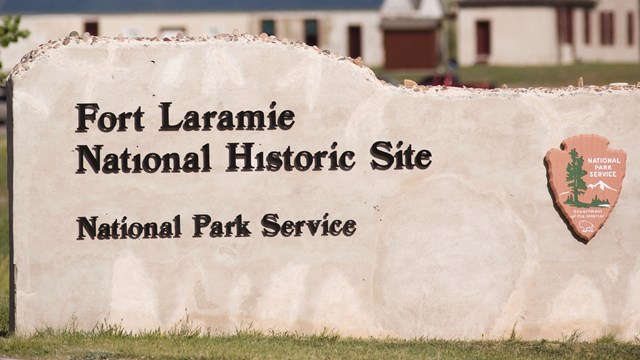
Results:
247 181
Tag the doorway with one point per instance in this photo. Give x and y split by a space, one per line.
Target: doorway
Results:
483 41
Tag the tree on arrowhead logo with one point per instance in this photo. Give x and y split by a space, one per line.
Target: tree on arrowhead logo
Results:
585 177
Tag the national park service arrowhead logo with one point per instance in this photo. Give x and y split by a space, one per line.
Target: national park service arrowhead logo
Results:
585 177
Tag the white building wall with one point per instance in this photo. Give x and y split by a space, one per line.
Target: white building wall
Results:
372 36
332 27
150 25
620 50
519 35
333 30
528 35
466 36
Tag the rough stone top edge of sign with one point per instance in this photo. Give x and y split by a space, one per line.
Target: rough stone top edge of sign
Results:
33 57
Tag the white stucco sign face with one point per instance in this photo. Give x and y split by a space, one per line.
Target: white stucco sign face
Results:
241 180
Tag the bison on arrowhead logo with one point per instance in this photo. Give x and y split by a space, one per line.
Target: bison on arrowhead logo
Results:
585 177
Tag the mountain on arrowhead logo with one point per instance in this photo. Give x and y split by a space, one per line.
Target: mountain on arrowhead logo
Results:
585 177
602 185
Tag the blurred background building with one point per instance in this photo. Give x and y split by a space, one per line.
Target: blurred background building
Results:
396 34
415 35
547 32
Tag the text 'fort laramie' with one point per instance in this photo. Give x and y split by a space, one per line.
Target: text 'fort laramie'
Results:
239 156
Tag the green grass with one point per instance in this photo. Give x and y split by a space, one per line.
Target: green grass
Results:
113 344
109 341
554 76
535 76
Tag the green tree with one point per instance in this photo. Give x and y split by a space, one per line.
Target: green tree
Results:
575 173
10 31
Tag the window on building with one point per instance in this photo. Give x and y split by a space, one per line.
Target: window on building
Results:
268 27
311 32
587 26
607 35
355 41
91 27
630 28
483 41
565 25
